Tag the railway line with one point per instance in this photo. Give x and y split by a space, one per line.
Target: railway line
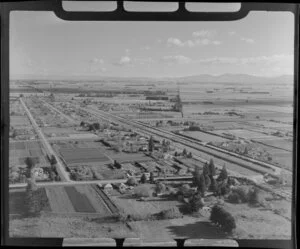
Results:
249 163
233 161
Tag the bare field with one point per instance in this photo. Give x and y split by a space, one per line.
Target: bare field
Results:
83 155
205 137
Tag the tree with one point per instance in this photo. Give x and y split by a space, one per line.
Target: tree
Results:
52 176
151 144
184 152
160 187
30 163
223 175
117 164
196 202
254 196
212 168
223 218
189 155
53 160
131 181
196 176
205 169
143 178
152 177
213 185
96 126
201 185
207 182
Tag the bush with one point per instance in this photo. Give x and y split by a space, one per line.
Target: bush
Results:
131 181
223 218
239 195
254 196
171 213
196 203
143 191
160 187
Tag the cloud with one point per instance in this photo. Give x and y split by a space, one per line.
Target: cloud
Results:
204 33
200 38
124 60
232 33
143 61
127 51
247 40
217 42
96 61
175 41
145 48
176 59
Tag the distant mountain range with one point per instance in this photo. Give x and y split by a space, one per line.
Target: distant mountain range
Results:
224 78
237 78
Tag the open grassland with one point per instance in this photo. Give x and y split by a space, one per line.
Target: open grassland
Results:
67 227
259 223
80 199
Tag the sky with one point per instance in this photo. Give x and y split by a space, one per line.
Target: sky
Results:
42 45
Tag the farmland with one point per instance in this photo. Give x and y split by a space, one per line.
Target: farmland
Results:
76 199
94 142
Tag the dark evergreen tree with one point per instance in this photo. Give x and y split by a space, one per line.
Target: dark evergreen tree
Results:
201 185
30 163
207 182
223 175
196 203
151 144
196 176
143 178
151 177
205 169
212 168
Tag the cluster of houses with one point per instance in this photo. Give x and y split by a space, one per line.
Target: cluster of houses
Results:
109 187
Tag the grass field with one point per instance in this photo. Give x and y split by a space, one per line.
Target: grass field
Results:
205 137
72 199
278 143
18 151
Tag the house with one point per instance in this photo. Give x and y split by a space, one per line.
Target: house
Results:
107 188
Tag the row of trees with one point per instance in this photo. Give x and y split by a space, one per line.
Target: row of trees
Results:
206 180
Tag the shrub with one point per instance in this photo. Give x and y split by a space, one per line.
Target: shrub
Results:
160 187
131 181
254 196
196 203
239 195
171 213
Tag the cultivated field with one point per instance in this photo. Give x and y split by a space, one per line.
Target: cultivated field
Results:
76 199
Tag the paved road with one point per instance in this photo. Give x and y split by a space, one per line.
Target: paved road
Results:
59 166
44 184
